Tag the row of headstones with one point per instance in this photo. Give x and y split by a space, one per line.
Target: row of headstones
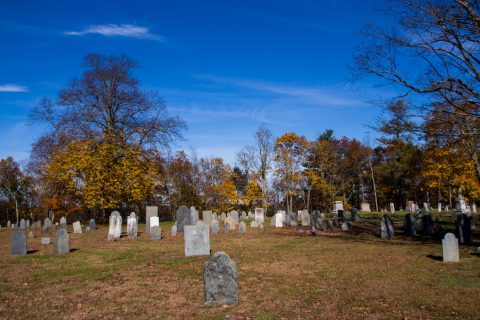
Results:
317 220
19 242
25 224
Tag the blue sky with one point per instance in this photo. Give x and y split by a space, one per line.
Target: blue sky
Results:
224 67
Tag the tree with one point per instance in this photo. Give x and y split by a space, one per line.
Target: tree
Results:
11 183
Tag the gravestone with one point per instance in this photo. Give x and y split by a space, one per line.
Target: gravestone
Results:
337 205
392 208
272 221
215 227
132 225
22 224
155 231
27 223
45 241
463 227
278 220
288 219
365 207
183 217
87 229
234 215
243 215
194 214
220 280
409 225
151 211
346 226
386 227
174 230
223 216
19 243
231 222
305 218
294 222
63 220
92 225
30 235
77 227
226 228
259 215
9 224
154 221
62 242
47 223
115 226
474 208
439 208
242 227
450 248
326 225
427 224
253 224
197 240
207 217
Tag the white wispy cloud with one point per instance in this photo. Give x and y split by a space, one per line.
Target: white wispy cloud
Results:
118 30
12 88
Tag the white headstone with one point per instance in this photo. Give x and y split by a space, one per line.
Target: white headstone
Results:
305 218
151 211
132 226
439 207
194 214
365 207
450 248
154 221
77 227
197 240
392 208
259 215
279 220
115 226
337 205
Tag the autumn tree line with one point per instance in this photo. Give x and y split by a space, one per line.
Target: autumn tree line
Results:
108 145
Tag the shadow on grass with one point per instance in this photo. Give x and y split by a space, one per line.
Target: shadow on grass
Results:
434 257
31 251
73 250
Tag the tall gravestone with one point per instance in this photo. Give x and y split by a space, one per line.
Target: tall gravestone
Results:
234 215
220 280
194 214
115 226
207 217
132 225
259 215
174 230
450 248
9 224
386 227
151 211
226 228
27 223
463 227
62 242
197 240
183 217
305 218
392 208
215 227
409 225
19 243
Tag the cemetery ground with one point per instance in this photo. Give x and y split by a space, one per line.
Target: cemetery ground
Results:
283 274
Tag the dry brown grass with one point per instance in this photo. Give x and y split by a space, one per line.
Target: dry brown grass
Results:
283 274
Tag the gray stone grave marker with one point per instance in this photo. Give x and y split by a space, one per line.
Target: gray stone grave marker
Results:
220 280
197 240
183 217
62 242
19 243
450 248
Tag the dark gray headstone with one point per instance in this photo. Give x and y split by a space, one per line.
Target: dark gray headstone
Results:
387 227
409 225
316 221
427 224
463 226
62 242
183 217
19 243
220 280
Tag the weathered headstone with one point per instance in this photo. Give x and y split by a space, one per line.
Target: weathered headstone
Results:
174 230
194 214
197 240
365 207
87 229
259 215
132 225
19 243
223 216
155 231
63 220
305 218
45 240
234 215
242 227
115 226
183 217
220 280
439 208
27 223
346 226
9 224
77 227
387 228
231 222
92 225
226 228
450 248
392 208
288 219
279 220
253 224
243 215
207 217
474 208
47 222
30 235
154 221
151 211
62 242
215 227
22 224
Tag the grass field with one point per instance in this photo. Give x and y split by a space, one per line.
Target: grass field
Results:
283 274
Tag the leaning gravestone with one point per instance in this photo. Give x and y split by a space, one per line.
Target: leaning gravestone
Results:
215 227
220 280
19 243
115 226
305 218
132 226
151 211
92 225
22 224
450 248
207 217
155 231
77 227
259 215
194 214
231 222
242 227
386 227
197 240
62 242
183 217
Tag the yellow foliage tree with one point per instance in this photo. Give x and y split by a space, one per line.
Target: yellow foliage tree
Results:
253 193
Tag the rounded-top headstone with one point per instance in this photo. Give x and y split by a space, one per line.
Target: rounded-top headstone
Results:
220 280
19 243
62 242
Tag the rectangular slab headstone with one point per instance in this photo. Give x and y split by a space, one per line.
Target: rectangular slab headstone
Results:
279 220
62 242
19 243
183 218
154 222
155 231
220 280
92 225
132 226
450 248
259 215
234 215
305 218
242 227
365 207
392 208
45 241
22 224
115 226
194 214
77 227
151 211
197 240
207 217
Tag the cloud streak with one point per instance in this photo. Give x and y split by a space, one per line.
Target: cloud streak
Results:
12 88
118 30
